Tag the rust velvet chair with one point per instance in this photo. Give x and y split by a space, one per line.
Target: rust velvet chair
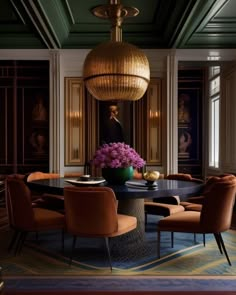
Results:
48 201
165 206
23 218
215 216
92 212
195 203
41 175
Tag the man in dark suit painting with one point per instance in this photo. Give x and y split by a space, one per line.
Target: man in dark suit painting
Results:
112 130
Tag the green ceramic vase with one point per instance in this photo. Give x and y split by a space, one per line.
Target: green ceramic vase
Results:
117 175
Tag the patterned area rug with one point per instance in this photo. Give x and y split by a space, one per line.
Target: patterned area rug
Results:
187 266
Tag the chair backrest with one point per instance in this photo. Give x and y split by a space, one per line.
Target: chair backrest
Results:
41 175
214 179
179 176
218 205
90 211
19 203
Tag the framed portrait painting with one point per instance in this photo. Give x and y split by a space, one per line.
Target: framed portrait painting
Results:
189 124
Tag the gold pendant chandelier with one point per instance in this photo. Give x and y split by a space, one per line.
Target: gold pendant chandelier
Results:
116 70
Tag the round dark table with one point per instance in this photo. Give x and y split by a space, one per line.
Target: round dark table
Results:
134 189
131 195
131 201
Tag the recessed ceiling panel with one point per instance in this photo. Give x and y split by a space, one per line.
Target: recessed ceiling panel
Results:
160 24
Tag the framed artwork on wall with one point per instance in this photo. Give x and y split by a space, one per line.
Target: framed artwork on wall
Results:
115 122
188 124
35 114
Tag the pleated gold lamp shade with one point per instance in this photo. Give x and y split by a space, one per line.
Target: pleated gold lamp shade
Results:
116 70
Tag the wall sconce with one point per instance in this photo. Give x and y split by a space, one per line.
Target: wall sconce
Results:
116 70
153 118
75 118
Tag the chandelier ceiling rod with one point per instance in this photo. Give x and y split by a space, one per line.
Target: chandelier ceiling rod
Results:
115 12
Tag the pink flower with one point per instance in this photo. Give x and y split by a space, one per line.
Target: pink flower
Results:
117 155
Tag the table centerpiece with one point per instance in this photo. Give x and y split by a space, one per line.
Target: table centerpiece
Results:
117 161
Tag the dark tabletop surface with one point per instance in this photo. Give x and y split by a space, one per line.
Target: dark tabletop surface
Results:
132 189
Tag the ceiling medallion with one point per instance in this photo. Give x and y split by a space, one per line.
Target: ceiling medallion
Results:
116 70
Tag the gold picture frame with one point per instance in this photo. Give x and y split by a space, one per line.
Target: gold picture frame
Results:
74 121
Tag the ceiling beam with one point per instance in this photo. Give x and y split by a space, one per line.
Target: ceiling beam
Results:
201 11
48 19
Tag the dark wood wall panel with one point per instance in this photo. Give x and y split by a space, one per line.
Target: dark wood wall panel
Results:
190 98
24 122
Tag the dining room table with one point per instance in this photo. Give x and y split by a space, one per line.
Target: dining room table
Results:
130 196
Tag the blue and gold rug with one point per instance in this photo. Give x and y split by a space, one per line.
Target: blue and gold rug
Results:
41 264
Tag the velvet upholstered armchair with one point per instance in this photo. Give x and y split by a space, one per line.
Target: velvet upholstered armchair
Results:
167 206
24 218
45 200
214 217
92 212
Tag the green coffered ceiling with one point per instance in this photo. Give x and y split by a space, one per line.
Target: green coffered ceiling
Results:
160 24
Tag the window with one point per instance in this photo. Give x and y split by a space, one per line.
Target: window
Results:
214 115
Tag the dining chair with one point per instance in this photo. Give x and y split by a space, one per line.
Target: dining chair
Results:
195 203
92 212
168 205
23 218
164 206
215 216
46 200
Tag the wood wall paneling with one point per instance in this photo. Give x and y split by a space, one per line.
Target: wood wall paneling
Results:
190 96
24 125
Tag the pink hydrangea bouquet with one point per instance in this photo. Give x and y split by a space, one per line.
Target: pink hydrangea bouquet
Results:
117 155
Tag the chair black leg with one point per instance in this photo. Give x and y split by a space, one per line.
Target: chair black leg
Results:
24 235
218 242
20 242
72 249
13 240
158 244
203 239
172 239
194 238
108 251
223 247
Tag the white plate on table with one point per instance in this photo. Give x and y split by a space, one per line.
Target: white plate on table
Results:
85 182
